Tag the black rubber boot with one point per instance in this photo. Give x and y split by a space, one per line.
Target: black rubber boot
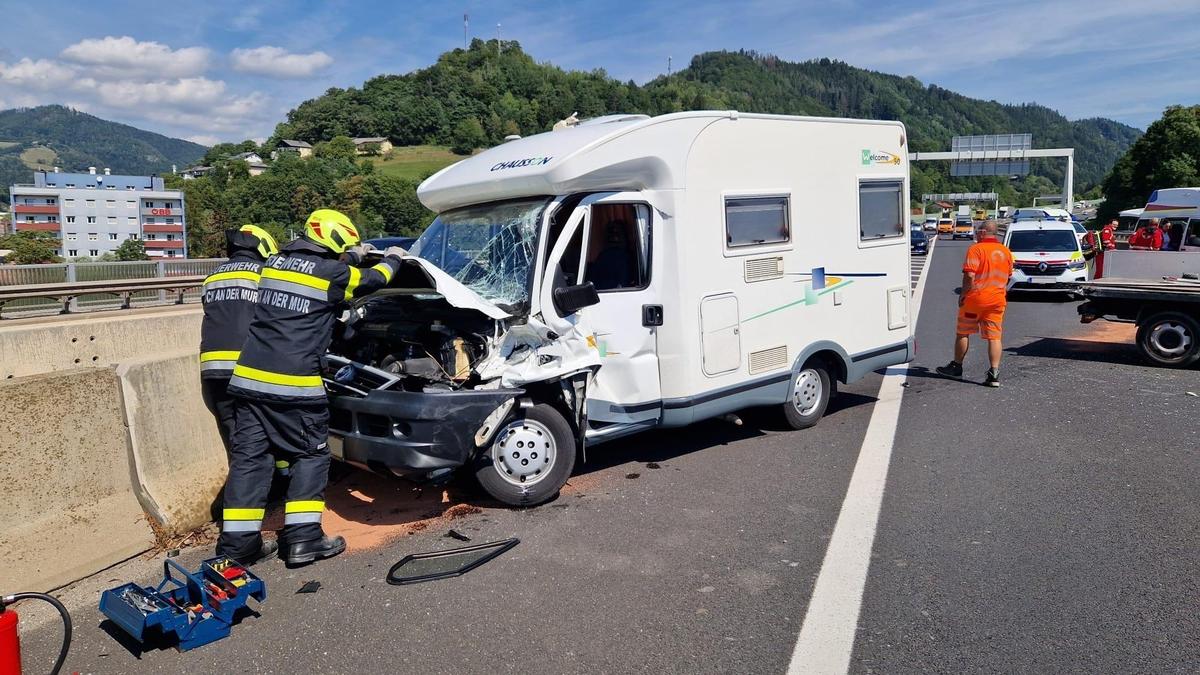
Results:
306 552
266 550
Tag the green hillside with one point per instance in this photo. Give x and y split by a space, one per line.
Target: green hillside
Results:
52 135
503 90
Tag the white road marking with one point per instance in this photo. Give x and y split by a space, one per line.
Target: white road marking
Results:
826 640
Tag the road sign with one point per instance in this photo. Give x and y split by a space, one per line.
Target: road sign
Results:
992 155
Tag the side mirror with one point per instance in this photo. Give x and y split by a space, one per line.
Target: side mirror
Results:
571 299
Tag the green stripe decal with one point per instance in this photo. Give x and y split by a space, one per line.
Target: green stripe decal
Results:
809 299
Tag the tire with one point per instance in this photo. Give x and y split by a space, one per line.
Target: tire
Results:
530 458
812 388
1170 339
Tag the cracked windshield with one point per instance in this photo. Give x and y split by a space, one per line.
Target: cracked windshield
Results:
488 248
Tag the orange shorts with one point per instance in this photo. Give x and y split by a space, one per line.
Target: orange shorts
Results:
987 321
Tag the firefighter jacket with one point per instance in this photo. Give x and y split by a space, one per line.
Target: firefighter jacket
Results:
302 290
229 296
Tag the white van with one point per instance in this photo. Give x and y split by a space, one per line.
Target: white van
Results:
1047 255
1178 210
624 274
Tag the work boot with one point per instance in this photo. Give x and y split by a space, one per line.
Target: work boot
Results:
993 378
952 369
267 549
310 551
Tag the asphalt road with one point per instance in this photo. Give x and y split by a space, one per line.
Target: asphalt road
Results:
1048 526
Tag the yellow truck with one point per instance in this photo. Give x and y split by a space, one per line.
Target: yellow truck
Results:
981 214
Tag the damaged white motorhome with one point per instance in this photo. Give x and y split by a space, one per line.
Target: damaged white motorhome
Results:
622 274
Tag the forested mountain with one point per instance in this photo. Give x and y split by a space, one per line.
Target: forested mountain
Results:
54 135
500 88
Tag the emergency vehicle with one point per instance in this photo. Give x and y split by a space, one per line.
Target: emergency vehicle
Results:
1047 255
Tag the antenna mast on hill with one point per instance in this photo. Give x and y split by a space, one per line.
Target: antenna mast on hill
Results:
466 18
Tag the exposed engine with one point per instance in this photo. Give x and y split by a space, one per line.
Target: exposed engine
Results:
423 341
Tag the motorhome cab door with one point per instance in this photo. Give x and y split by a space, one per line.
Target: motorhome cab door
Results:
611 247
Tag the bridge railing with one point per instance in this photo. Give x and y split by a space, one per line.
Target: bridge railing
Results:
68 273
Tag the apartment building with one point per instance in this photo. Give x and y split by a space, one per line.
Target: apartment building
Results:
92 212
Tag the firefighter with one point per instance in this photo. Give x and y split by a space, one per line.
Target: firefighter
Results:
229 296
281 409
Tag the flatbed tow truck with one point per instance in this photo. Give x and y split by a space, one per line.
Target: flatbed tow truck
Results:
1166 312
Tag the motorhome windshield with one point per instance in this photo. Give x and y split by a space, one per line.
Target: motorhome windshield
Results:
489 248
1043 240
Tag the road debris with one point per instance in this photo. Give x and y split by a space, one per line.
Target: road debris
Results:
309 587
455 534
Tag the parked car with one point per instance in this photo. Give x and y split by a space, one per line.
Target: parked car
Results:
918 242
1047 255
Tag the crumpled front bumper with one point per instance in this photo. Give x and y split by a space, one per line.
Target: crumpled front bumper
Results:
417 435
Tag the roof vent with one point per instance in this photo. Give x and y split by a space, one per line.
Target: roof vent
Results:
512 137
92 170
107 171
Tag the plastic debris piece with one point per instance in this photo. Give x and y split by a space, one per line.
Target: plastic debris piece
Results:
1192 393
455 534
172 553
310 587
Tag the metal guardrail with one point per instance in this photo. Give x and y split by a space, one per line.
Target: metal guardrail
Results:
25 277
66 294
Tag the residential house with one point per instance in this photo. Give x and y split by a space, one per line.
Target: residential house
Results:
248 157
195 172
257 168
381 144
296 147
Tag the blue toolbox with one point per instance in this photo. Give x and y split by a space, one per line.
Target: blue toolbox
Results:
195 608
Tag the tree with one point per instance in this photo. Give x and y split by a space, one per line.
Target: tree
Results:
1166 156
392 203
338 147
371 149
132 249
468 135
31 248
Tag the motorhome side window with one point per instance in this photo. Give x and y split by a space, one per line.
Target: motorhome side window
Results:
880 209
755 221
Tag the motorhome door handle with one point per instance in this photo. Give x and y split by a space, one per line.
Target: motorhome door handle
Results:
652 315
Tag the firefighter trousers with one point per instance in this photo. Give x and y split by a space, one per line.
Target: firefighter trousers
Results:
263 432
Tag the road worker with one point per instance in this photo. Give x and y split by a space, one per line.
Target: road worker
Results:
281 409
982 301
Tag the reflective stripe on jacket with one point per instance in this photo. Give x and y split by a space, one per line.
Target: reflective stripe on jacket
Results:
229 295
302 290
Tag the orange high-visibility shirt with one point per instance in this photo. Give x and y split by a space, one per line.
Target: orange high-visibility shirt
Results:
992 264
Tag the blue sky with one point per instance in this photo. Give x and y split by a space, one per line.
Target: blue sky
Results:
221 70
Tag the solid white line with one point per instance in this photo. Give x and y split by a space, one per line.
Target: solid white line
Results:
826 640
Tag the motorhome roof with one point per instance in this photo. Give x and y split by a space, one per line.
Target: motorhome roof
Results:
621 152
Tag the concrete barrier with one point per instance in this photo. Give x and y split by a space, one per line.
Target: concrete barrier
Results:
179 462
67 506
40 345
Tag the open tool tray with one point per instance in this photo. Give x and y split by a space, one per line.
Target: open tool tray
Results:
194 608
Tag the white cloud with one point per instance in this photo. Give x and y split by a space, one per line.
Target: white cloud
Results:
124 54
278 62
42 74
146 84
203 139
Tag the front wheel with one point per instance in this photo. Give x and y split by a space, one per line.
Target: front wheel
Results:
811 390
530 458
1170 339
